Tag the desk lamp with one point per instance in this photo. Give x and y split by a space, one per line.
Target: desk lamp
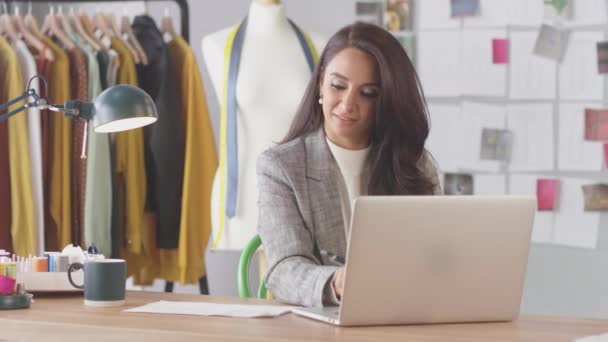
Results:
118 108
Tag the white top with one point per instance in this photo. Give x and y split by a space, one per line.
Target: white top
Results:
354 177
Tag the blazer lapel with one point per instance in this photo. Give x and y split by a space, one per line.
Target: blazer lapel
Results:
321 173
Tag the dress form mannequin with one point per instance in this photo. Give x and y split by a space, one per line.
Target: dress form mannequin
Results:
273 75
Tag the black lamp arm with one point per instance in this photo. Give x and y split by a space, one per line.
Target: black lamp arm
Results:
73 108
38 102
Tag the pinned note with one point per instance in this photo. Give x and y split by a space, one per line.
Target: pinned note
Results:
464 8
551 42
596 124
546 193
500 51
458 184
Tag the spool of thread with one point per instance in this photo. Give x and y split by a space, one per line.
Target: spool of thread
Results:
61 263
2 269
51 256
7 285
40 264
10 269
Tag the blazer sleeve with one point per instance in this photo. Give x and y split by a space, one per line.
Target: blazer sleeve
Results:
295 275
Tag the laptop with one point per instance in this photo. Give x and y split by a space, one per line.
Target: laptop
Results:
433 259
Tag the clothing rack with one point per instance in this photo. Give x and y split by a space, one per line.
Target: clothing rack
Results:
183 8
185 32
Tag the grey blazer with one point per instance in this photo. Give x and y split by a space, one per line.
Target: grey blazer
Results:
299 215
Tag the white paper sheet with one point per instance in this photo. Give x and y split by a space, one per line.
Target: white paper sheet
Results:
475 117
491 14
543 220
445 137
439 64
212 309
435 14
589 12
532 77
574 226
489 184
593 338
524 12
532 127
574 153
480 75
578 76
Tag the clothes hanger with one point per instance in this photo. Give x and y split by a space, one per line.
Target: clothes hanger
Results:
51 27
6 26
99 22
31 40
77 24
63 21
87 26
31 24
127 31
166 25
114 25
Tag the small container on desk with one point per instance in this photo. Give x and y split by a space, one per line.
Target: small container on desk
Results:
18 301
49 281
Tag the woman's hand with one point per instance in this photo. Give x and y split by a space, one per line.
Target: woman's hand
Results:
338 282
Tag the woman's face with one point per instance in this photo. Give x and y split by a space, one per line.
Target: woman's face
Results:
350 87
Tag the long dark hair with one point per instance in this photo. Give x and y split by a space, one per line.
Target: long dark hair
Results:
401 123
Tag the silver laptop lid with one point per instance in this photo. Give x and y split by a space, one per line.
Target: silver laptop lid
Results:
434 259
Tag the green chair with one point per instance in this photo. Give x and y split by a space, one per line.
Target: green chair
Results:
243 271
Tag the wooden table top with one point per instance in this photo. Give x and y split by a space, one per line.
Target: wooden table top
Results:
61 317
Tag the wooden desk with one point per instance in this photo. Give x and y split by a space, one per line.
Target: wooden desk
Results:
65 318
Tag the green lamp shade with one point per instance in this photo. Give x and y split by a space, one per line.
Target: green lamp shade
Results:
123 107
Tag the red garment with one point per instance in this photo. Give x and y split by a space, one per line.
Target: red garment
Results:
79 91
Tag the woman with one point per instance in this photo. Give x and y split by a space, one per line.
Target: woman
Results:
360 130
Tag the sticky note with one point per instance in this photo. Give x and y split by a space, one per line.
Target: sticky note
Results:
546 193
500 51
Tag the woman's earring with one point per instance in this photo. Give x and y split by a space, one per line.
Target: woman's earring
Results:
320 100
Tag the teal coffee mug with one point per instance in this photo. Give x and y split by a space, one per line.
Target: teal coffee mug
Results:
104 281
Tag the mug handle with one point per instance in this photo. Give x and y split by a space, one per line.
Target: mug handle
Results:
75 266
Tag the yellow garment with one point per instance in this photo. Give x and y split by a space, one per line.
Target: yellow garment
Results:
61 146
23 227
136 226
186 265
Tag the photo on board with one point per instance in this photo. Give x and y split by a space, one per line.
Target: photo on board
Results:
398 15
596 124
369 11
464 8
496 144
555 9
602 57
458 184
551 43
596 197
